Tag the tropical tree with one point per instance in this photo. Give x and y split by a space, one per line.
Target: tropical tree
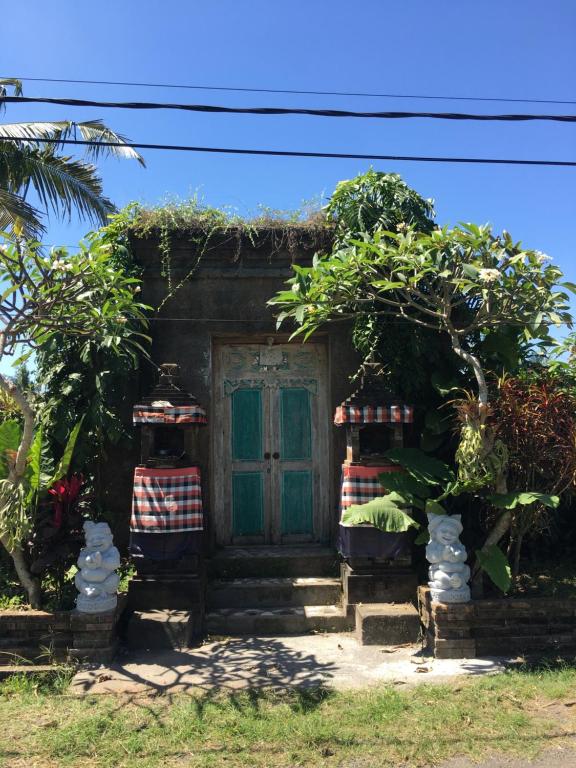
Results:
465 283
31 159
82 295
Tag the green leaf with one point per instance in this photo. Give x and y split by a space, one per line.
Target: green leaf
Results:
524 498
424 468
10 435
385 513
40 466
434 508
423 537
64 463
405 484
495 563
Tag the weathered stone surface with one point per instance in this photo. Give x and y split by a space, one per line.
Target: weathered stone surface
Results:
387 624
381 585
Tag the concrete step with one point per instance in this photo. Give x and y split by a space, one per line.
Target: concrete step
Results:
170 591
274 561
387 623
289 620
274 592
161 629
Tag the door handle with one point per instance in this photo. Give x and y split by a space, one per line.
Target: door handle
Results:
267 455
275 455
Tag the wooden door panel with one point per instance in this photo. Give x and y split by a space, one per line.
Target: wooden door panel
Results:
247 504
296 502
246 411
295 423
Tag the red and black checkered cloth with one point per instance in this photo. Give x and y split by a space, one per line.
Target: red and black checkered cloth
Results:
167 500
374 414
169 414
361 484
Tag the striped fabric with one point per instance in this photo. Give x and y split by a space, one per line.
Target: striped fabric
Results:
361 484
173 414
374 414
166 500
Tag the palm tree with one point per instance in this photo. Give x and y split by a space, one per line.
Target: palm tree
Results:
63 184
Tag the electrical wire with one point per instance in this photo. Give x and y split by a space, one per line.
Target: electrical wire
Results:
293 153
218 109
353 94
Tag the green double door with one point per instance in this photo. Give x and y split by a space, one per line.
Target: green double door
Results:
273 443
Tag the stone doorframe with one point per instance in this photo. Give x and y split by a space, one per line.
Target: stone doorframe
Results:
221 514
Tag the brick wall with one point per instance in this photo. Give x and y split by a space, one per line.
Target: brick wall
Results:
503 627
43 637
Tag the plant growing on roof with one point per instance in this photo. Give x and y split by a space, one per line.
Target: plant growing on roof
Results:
464 282
82 295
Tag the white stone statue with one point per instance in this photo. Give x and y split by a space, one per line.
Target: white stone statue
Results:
448 571
97 580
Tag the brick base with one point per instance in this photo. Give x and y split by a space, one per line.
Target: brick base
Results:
504 627
41 636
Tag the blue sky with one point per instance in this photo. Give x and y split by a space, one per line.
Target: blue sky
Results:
517 48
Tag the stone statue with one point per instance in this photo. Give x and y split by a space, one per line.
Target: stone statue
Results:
448 571
97 580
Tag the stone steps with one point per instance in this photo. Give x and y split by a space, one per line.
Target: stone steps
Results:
387 623
287 620
274 562
160 629
178 592
274 592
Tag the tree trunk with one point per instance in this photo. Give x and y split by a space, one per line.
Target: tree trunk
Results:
29 582
16 471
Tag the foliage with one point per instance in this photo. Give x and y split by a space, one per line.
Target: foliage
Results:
458 281
377 201
62 184
87 375
496 565
534 414
82 295
206 226
387 513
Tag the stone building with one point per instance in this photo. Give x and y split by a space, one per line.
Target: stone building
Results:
270 456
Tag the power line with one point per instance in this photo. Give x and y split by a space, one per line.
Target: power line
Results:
293 153
216 109
354 94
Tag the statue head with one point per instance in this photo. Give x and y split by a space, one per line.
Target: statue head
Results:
98 535
445 529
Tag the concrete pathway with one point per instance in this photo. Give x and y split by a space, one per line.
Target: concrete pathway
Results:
334 660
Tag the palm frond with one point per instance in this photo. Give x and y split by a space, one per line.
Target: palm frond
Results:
30 131
92 130
16 215
95 130
11 82
61 183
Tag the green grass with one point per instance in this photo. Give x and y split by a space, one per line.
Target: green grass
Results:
518 712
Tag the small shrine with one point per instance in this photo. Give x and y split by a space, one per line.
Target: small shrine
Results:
377 564
167 521
374 421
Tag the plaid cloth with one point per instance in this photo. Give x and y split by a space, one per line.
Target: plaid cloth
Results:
361 484
374 414
173 414
166 500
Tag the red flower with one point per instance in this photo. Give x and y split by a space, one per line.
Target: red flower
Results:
65 492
